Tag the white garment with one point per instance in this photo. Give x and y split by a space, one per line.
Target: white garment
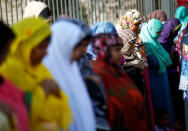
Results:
65 36
34 8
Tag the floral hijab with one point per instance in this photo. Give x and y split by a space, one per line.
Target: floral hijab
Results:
102 44
131 17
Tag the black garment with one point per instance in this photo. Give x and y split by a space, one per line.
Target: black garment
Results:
99 104
96 92
135 74
177 95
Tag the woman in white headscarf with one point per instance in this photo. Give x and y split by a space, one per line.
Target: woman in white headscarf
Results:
67 34
37 9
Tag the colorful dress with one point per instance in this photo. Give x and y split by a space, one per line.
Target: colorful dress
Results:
126 105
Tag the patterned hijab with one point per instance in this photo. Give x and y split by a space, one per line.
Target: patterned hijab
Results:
98 28
131 17
134 54
158 14
102 44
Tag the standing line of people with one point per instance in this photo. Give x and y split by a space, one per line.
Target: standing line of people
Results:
68 76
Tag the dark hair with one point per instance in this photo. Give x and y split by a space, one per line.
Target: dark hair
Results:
80 43
6 35
45 13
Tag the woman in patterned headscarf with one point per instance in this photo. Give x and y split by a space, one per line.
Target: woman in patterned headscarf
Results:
133 51
131 20
125 103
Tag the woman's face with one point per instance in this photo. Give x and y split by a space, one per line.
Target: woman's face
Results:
80 50
39 52
159 33
116 54
135 27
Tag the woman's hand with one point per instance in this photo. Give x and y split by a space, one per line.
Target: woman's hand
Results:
51 87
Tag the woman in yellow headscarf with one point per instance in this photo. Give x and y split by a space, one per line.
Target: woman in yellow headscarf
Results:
23 67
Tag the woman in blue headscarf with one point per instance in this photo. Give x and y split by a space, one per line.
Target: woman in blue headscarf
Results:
158 61
102 27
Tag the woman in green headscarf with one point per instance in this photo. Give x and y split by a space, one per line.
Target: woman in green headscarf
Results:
158 60
182 15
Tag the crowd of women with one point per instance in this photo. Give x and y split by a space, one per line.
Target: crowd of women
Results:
69 76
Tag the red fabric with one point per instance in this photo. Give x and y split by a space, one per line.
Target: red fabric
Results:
148 92
125 103
12 96
182 3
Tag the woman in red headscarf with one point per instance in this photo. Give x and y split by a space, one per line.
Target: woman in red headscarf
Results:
126 106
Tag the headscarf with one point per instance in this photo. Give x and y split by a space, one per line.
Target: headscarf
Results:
170 28
37 9
182 15
97 28
30 32
131 17
149 36
134 54
102 44
67 74
103 27
158 14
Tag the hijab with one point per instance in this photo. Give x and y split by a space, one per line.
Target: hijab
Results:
102 44
37 9
30 32
169 32
131 17
133 53
67 74
158 14
182 15
150 37
97 28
